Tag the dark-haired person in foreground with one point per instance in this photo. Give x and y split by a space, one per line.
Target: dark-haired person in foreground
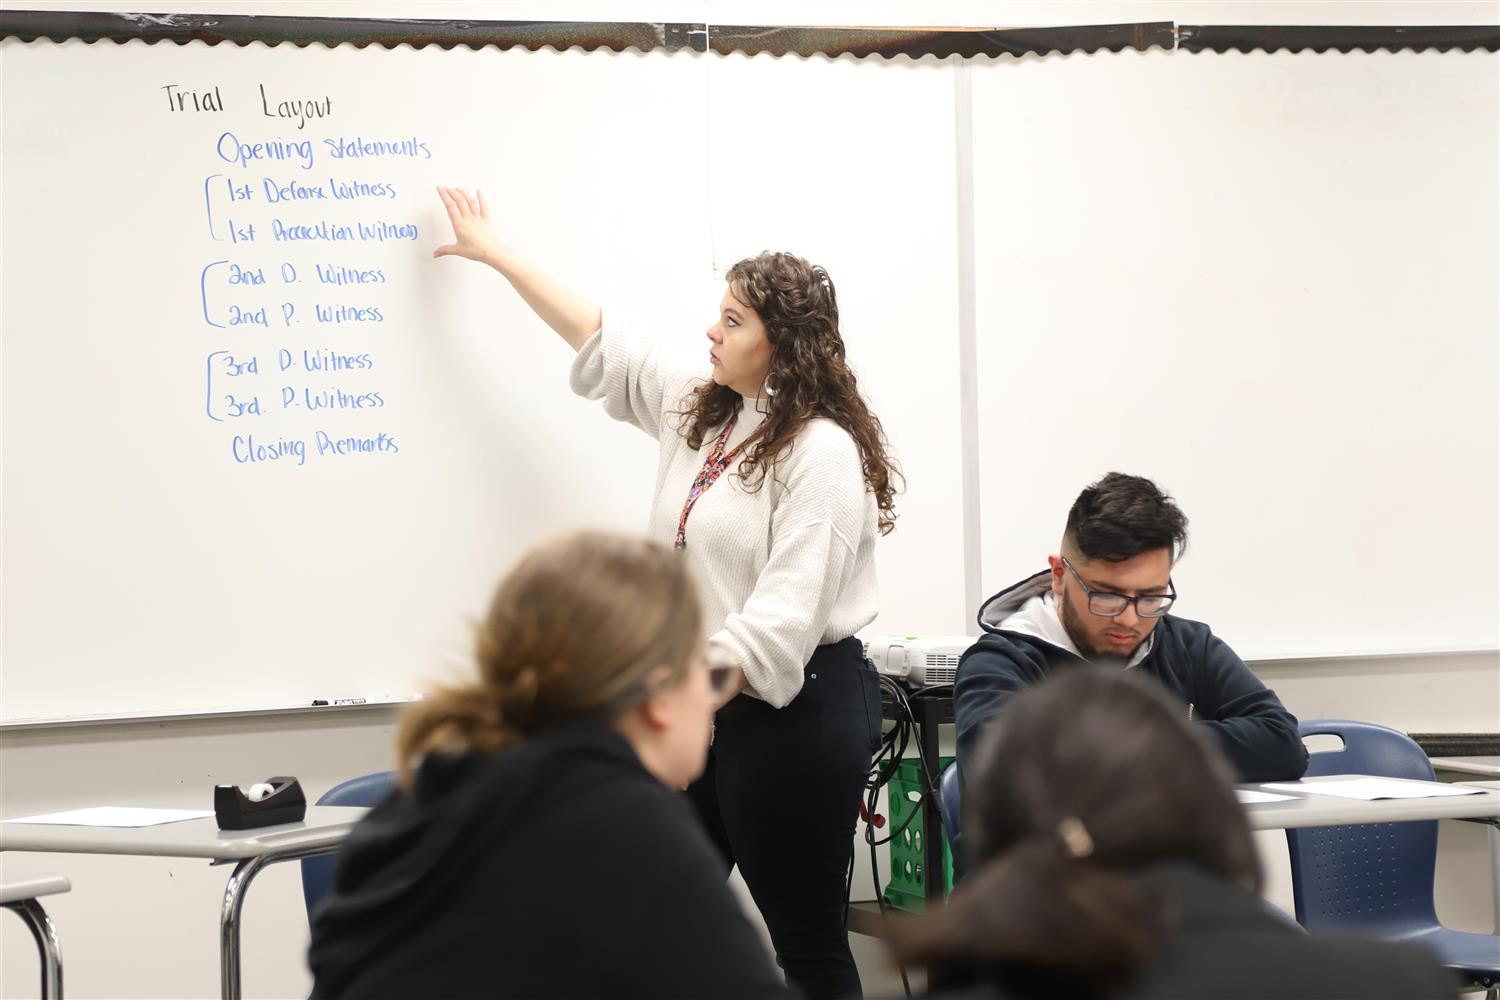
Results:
1104 601
1111 860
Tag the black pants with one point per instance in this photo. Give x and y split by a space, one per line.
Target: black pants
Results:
780 798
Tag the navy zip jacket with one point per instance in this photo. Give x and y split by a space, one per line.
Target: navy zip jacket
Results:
1253 729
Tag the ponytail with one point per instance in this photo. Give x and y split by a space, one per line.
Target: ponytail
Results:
1041 920
451 720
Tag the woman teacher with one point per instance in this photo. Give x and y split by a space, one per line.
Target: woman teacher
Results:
775 478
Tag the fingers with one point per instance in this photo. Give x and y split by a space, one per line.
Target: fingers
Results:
469 215
462 205
453 205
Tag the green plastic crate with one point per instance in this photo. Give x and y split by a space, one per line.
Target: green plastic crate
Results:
907 888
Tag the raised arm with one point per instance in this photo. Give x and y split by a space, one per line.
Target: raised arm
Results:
572 315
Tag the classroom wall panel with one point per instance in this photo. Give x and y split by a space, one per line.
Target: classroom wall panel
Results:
1271 283
261 449
850 163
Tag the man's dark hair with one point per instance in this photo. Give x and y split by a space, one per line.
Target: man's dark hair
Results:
1121 516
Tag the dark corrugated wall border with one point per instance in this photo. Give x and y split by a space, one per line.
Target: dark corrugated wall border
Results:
619 36
1388 38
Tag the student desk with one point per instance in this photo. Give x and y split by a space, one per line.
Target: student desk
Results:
1494 831
1325 810
321 832
1483 767
20 893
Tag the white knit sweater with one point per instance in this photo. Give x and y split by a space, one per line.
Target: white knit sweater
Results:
783 569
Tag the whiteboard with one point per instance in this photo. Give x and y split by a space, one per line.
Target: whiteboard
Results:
157 560
1284 266
1271 283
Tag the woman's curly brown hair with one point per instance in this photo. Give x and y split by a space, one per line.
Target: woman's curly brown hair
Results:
809 377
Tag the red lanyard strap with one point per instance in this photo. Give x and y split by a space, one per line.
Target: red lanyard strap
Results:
718 460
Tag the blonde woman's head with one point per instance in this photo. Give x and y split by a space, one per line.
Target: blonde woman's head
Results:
588 627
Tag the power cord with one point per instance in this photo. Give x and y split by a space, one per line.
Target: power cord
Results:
894 743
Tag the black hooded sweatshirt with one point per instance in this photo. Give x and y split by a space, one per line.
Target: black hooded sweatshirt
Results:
1228 944
558 867
1251 726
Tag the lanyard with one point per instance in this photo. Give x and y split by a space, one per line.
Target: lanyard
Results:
716 462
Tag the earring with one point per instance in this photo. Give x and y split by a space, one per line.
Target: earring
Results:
763 404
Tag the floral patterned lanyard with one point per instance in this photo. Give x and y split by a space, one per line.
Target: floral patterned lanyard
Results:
718 460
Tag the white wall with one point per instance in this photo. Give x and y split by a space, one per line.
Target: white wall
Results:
148 928
1224 310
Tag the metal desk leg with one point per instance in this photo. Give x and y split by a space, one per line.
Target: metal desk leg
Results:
229 924
930 716
45 933
234 898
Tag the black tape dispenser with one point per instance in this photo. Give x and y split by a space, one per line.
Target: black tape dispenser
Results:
267 803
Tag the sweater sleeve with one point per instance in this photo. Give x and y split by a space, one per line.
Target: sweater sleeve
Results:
1255 731
815 532
627 373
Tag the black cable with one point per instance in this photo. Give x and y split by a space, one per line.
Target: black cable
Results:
888 757
929 775
848 886
892 752
880 901
872 797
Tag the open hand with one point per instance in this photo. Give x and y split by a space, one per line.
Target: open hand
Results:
473 236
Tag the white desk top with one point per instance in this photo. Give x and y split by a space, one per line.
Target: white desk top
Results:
324 826
1326 810
1468 765
20 887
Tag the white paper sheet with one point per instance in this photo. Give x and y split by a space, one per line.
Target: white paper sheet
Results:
115 816
1369 789
1250 795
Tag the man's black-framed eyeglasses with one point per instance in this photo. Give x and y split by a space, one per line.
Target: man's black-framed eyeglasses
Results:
1107 604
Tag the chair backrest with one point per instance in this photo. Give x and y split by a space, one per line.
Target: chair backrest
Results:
317 873
948 804
1376 876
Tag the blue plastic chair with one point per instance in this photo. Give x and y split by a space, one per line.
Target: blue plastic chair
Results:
1377 878
948 803
317 873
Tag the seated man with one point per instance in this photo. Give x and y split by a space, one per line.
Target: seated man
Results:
1105 602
